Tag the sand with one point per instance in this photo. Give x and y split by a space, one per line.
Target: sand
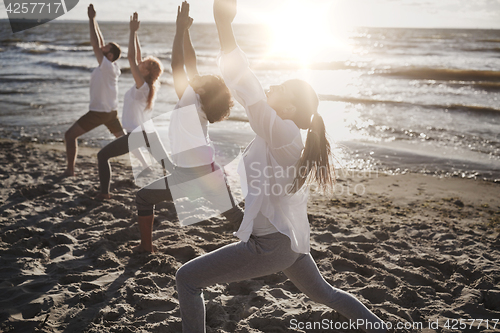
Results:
414 248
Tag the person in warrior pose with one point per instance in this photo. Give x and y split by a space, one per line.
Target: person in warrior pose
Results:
137 105
274 234
192 152
103 94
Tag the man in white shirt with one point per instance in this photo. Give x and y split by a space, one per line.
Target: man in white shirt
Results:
103 94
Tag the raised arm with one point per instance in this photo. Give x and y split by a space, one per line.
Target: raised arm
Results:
132 51
96 39
189 56
178 72
99 35
246 88
224 13
138 49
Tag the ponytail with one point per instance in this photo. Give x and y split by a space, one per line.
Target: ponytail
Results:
314 165
155 70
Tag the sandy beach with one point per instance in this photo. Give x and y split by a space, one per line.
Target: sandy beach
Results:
422 252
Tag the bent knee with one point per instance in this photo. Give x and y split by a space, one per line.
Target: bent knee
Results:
101 156
334 297
187 279
140 201
68 135
182 274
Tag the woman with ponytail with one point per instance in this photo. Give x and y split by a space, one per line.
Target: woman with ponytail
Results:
274 234
137 106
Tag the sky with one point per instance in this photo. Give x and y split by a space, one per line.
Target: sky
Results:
369 13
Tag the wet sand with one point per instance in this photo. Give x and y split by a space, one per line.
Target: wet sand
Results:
414 248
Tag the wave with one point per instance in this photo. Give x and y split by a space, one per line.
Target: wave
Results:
86 43
12 92
442 74
472 141
482 49
450 107
489 40
470 108
167 55
19 78
59 65
10 40
238 119
271 64
481 85
44 48
489 86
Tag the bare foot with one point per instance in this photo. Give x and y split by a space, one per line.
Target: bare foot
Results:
103 196
139 249
68 173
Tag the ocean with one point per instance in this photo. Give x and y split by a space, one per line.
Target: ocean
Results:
394 100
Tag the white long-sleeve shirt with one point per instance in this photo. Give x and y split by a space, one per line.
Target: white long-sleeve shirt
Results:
267 169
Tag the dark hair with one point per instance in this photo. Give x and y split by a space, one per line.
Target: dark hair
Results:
116 51
314 164
216 100
155 68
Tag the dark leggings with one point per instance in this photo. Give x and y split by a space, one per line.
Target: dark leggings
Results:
121 146
160 190
115 148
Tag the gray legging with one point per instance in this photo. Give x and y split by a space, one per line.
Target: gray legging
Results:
260 256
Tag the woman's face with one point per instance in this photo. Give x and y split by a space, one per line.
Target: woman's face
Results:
280 98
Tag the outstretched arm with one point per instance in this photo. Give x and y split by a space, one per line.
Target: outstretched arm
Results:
224 13
178 72
189 56
132 51
96 39
138 49
99 34
244 85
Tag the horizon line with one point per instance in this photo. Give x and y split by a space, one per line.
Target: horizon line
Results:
262 24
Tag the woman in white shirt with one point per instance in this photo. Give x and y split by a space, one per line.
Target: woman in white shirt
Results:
137 105
277 168
203 99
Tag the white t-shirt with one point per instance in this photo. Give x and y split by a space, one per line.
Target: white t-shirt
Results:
104 87
134 107
264 168
188 133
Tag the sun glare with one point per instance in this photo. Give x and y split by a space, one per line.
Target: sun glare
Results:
302 30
